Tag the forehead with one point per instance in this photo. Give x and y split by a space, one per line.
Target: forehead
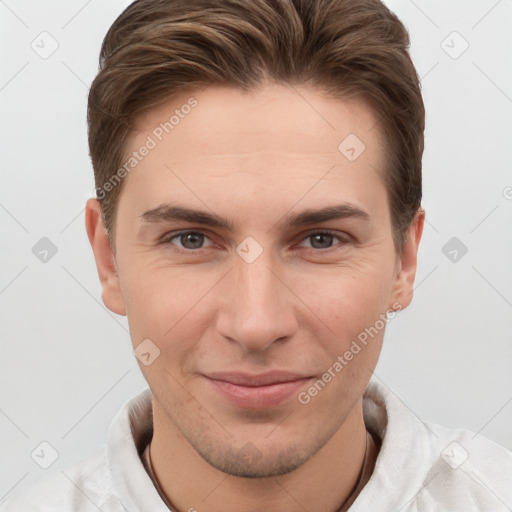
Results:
278 140
282 117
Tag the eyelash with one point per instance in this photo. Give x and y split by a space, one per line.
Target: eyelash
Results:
167 240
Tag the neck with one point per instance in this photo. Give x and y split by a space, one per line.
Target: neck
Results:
327 481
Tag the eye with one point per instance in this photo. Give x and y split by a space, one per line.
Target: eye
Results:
322 240
188 240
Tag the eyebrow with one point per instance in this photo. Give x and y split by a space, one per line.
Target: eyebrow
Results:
167 213
341 211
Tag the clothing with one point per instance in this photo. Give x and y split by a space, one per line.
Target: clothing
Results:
420 467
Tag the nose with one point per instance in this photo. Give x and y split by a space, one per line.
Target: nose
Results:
257 309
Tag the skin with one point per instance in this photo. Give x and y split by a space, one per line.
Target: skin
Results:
256 159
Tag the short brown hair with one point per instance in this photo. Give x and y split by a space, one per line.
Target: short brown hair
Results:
159 48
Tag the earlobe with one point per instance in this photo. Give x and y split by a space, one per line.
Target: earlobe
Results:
404 282
104 256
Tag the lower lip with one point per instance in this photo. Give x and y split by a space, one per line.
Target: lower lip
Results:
258 397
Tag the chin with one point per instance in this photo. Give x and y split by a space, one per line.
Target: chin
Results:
249 462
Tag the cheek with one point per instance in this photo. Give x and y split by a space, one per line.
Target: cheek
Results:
153 302
347 300
353 305
168 306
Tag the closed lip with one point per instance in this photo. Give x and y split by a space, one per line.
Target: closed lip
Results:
257 391
256 380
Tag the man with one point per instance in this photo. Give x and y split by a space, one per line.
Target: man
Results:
258 173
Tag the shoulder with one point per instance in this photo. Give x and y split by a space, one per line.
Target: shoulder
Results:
468 472
83 486
425 466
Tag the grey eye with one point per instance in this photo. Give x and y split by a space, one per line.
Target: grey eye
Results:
321 240
190 240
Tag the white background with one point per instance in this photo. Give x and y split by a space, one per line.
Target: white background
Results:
66 362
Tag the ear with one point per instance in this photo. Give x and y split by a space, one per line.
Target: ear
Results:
105 259
407 262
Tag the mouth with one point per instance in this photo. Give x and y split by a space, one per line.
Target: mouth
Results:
261 391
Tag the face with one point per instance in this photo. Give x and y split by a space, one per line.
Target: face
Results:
253 253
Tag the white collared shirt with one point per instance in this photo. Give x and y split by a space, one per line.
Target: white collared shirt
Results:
421 466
